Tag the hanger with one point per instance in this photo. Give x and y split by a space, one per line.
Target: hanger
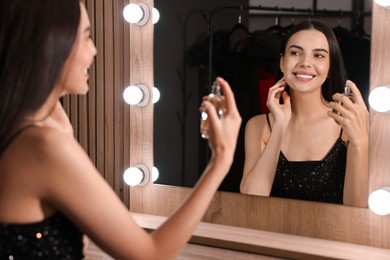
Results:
291 25
340 31
239 26
276 28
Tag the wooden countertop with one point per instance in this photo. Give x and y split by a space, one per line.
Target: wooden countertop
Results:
270 243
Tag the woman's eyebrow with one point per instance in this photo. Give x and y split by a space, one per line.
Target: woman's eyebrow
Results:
320 49
296 46
317 49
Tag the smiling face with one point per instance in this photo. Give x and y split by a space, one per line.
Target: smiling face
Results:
74 79
306 61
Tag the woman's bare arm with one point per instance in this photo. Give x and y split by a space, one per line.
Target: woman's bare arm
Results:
261 148
354 119
73 186
261 157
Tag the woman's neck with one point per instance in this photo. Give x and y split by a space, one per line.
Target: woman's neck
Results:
39 116
307 106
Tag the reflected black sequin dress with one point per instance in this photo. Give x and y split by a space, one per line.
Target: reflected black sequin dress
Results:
53 238
321 181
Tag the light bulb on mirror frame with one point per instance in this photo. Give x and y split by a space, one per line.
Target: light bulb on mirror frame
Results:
155 174
155 15
384 3
136 176
136 95
379 201
156 95
379 99
136 13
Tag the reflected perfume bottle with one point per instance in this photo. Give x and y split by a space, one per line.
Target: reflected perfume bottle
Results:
215 98
348 93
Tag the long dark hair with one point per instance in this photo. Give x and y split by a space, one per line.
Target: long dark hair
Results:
36 38
337 73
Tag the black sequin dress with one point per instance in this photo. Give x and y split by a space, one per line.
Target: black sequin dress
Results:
53 238
321 181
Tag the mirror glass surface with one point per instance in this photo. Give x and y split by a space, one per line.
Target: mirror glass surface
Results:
181 72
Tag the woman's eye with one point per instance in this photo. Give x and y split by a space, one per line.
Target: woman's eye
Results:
294 53
319 55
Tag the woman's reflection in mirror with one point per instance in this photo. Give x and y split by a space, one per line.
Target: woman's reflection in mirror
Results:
313 145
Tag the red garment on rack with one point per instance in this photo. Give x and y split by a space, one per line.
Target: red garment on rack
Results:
266 80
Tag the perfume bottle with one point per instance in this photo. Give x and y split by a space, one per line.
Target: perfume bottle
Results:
348 93
215 98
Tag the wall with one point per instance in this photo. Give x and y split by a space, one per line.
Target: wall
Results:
101 119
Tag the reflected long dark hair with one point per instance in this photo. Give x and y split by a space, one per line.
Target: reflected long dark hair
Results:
337 74
36 38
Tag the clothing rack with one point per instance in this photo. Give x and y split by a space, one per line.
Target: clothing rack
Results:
278 12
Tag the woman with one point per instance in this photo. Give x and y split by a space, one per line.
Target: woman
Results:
50 192
314 143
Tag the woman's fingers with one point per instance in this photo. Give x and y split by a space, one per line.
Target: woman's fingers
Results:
212 116
223 131
351 115
344 106
286 98
276 90
358 99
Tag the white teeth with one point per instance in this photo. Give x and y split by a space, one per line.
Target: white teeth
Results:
305 76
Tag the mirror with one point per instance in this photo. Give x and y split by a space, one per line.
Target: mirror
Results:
181 73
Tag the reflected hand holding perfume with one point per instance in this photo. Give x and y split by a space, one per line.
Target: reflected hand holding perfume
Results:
348 93
215 98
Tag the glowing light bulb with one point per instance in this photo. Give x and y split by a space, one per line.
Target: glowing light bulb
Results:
156 95
379 201
379 99
133 176
384 3
133 95
138 175
133 13
136 95
136 13
155 174
155 15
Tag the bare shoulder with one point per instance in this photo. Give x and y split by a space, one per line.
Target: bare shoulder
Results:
44 150
40 163
60 166
259 121
48 143
258 127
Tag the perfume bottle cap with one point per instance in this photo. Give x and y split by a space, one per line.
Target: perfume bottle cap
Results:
216 88
347 91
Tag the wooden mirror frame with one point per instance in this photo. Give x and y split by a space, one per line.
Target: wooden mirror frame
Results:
103 123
